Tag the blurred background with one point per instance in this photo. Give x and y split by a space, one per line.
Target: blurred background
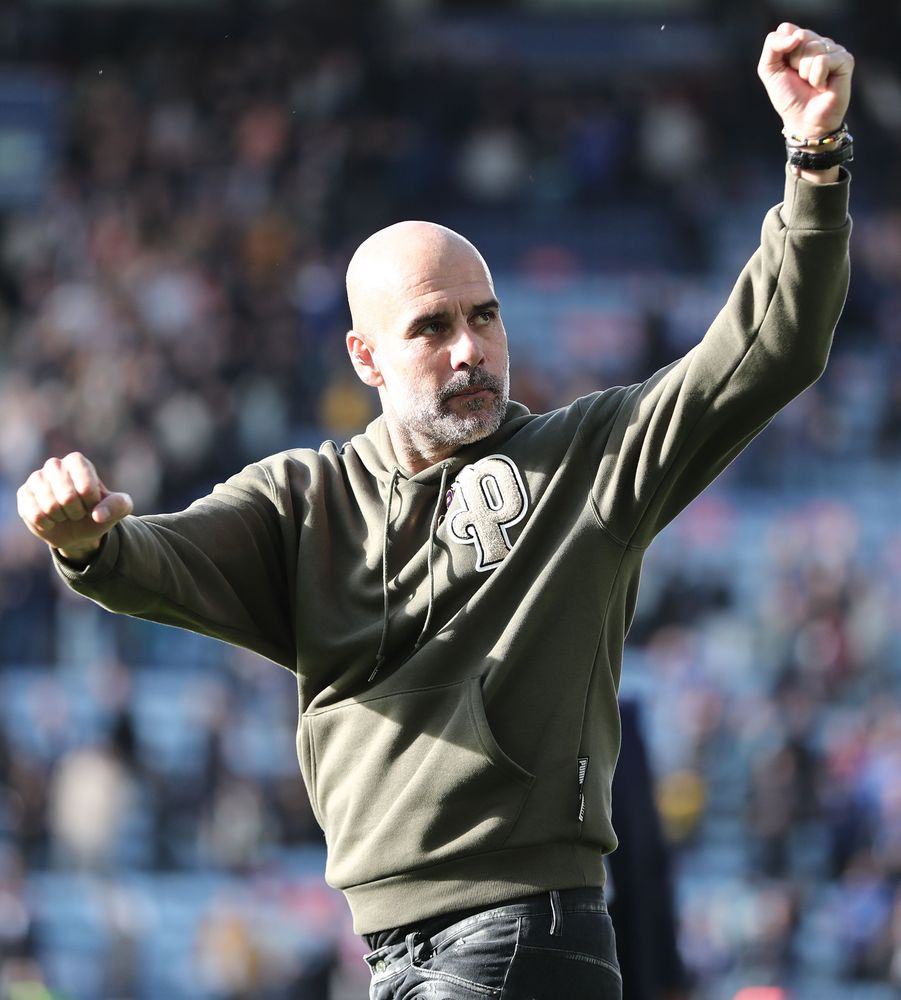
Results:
181 186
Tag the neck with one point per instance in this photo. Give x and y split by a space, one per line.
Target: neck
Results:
414 456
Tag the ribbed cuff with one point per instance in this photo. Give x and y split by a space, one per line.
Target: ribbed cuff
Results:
815 206
101 565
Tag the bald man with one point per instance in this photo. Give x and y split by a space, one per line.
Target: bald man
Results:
452 588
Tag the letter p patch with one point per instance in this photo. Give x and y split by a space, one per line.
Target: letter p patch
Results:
489 498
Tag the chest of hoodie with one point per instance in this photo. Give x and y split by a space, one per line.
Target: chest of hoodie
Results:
411 581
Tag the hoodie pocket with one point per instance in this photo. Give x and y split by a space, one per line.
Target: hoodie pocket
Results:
410 780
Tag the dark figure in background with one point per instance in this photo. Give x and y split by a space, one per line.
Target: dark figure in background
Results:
642 904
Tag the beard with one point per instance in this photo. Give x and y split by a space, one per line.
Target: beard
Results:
431 417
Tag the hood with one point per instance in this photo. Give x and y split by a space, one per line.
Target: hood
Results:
376 453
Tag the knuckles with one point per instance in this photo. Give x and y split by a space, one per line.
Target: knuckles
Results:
53 494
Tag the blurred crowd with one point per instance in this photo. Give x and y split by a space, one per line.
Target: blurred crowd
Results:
173 305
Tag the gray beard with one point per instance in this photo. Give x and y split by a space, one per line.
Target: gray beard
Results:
436 423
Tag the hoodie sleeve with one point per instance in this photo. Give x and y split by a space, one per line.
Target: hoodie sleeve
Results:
658 444
220 568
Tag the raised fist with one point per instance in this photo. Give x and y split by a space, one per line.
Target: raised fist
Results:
66 505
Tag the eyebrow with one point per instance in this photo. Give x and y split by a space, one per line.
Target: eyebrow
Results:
442 315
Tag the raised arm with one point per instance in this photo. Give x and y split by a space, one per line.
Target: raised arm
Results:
673 434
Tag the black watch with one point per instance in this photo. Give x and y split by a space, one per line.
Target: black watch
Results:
821 161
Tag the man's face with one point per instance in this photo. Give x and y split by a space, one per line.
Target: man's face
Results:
439 349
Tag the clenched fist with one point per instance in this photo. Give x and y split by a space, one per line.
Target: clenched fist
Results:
67 506
807 77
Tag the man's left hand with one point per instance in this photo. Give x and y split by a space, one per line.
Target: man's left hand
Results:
808 79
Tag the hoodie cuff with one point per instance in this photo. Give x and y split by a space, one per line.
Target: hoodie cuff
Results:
101 565
815 206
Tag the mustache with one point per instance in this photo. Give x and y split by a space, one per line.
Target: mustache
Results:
475 378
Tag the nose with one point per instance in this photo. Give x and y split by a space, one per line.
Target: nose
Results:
467 350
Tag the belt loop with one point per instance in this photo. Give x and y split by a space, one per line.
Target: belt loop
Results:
416 944
556 914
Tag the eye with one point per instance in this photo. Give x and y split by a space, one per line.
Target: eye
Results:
485 317
433 329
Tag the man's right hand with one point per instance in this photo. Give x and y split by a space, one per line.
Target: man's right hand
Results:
67 506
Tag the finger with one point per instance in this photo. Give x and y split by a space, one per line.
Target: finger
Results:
112 508
84 477
822 59
820 71
777 45
810 45
787 35
64 490
29 510
44 497
814 69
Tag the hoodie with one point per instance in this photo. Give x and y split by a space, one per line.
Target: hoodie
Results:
457 634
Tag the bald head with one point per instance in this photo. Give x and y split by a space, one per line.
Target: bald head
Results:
402 261
427 333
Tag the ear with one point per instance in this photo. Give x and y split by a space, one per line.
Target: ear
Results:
362 359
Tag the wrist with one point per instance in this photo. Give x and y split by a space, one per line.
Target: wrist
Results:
79 555
817 158
817 143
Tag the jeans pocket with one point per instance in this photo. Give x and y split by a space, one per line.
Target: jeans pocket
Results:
579 964
474 959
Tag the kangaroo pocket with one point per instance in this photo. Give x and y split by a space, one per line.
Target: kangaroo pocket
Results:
409 780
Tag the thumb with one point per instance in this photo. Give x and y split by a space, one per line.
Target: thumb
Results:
777 47
112 508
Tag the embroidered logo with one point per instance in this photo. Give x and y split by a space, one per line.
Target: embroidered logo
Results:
488 499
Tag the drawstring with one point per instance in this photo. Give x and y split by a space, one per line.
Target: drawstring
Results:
380 655
432 530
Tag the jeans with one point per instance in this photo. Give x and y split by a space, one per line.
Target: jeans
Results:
556 946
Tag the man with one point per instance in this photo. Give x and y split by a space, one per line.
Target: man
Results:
452 588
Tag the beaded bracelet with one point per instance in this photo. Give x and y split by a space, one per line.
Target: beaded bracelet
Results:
829 139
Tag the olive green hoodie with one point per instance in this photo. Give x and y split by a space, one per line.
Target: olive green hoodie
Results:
457 634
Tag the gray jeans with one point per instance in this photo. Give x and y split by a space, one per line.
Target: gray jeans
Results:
548 947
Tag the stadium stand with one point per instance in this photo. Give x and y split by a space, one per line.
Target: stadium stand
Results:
179 194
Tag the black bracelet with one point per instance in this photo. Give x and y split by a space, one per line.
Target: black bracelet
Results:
821 161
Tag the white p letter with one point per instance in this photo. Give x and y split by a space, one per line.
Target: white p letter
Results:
489 498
